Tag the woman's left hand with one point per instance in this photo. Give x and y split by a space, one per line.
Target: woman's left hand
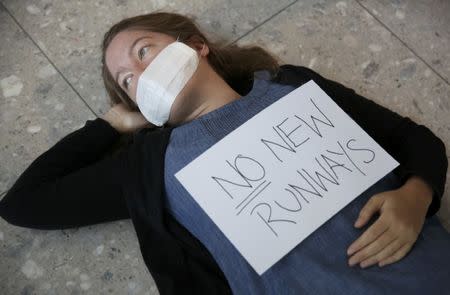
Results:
392 235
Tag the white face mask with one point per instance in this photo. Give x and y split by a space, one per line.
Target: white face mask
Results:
163 80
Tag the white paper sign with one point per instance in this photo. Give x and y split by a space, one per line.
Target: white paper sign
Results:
275 179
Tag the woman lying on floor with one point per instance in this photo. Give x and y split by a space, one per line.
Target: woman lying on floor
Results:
404 250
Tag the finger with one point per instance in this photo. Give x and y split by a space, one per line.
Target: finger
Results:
372 233
372 206
373 248
385 253
399 254
391 248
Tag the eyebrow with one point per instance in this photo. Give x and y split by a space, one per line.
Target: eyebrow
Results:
130 52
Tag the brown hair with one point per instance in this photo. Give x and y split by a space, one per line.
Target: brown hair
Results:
232 62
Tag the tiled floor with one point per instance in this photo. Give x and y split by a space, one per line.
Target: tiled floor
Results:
394 52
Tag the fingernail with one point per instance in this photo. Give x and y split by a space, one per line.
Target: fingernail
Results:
350 251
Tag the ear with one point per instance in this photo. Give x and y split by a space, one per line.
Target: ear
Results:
204 51
200 46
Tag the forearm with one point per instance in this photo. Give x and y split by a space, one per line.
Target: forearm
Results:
70 184
74 151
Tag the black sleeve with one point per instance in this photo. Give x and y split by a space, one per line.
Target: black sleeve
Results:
70 185
418 150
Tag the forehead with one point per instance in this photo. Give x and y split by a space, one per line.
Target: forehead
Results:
119 46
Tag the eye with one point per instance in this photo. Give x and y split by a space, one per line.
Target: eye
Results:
142 52
126 82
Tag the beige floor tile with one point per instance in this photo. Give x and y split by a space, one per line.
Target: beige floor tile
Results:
423 25
37 107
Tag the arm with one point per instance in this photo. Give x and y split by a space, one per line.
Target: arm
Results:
68 186
419 152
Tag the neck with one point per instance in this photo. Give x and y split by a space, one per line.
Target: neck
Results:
213 92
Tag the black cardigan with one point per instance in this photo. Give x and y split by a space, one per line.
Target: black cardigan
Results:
77 183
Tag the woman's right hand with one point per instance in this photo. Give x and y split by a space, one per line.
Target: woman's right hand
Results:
126 121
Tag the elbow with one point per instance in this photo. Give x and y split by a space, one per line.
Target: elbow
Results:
445 157
6 212
8 207
442 150
12 211
440 153
439 144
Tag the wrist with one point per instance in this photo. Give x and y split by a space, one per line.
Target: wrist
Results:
418 188
111 118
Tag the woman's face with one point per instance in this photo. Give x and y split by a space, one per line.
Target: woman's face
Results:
130 52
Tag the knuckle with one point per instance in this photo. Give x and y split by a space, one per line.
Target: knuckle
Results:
391 235
368 261
358 257
373 200
375 197
364 213
380 257
384 222
391 259
364 255
397 257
